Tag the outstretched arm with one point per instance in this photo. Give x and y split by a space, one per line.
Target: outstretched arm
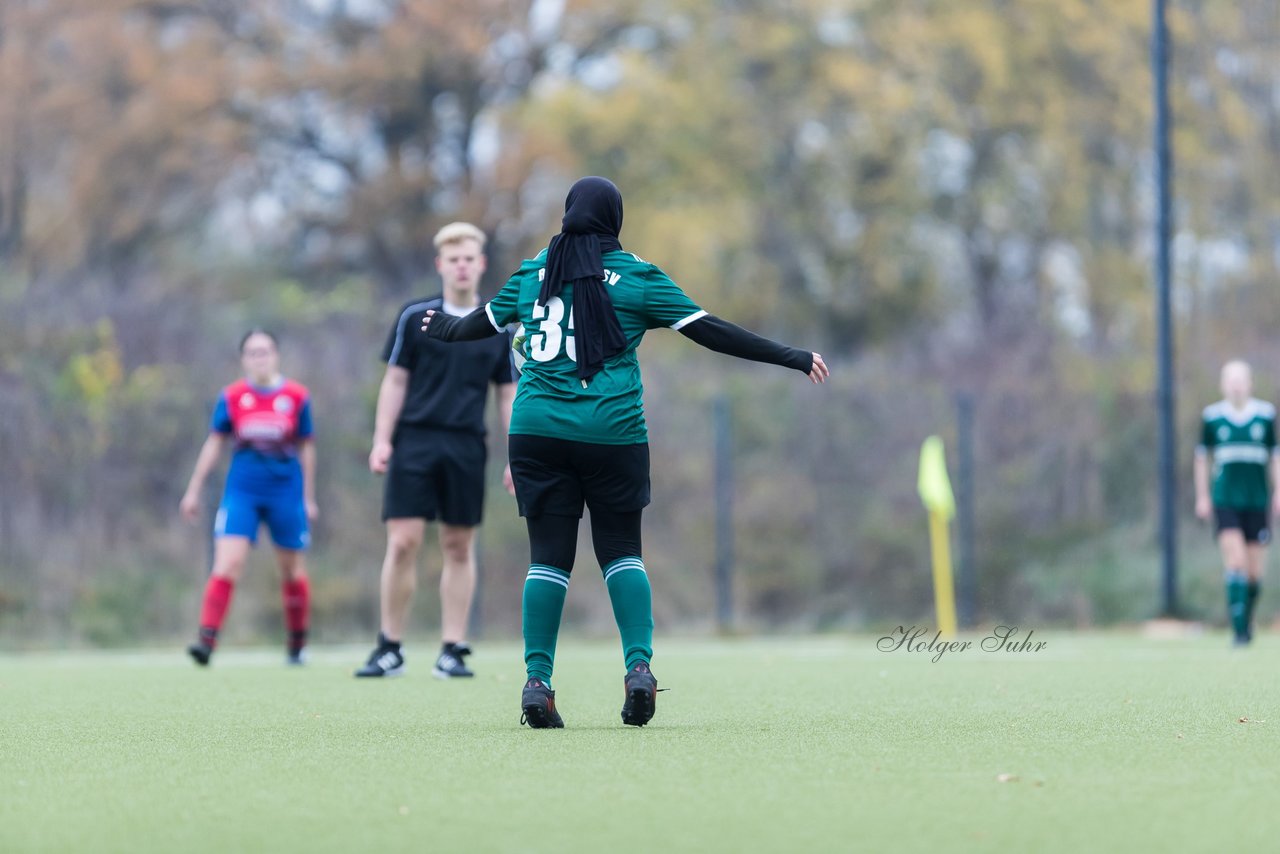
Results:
445 327
720 335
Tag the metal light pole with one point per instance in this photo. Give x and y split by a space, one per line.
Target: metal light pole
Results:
1164 326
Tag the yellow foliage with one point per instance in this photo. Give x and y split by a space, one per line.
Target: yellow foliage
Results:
98 373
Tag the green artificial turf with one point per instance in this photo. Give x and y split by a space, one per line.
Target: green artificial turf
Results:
1094 743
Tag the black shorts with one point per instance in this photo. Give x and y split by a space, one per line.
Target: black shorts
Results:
435 475
560 476
1252 523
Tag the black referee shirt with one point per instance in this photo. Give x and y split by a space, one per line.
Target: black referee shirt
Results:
448 383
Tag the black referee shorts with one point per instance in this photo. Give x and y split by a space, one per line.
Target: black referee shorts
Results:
435 475
560 476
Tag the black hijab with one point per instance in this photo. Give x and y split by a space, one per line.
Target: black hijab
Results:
592 221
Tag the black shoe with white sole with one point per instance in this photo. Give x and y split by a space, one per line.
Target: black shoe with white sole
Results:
385 660
451 664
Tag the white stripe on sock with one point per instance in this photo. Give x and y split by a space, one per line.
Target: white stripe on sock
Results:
547 576
623 565
542 567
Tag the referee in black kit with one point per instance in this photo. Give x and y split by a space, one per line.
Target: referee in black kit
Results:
429 441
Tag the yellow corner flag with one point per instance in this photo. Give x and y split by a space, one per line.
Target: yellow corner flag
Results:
934 485
935 492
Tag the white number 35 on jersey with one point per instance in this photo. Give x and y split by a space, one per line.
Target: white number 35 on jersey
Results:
548 339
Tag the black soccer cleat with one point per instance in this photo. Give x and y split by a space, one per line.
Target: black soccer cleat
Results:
295 651
538 703
642 694
450 664
383 661
200 652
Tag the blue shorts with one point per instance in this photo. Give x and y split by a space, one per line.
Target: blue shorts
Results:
241 513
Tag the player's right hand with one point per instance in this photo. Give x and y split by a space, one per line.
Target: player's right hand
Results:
189 507
1204 509
819 372
380 457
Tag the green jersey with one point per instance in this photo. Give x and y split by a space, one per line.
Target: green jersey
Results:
1242 442
551 400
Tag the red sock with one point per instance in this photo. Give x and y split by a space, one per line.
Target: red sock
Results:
217 596
297 609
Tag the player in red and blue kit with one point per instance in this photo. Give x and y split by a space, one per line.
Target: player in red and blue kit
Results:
271 480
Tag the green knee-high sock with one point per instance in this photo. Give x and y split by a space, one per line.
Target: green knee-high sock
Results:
1237 605
544 591
1252 590
632 600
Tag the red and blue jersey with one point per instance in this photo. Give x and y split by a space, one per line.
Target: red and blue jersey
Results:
268 424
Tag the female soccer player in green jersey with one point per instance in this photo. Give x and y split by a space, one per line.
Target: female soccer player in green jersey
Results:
578 433
1239 433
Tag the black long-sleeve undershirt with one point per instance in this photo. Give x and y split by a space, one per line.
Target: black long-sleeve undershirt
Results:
712 332
473 327
720 335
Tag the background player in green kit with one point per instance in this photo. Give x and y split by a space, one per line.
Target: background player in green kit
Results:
578 433
1239 433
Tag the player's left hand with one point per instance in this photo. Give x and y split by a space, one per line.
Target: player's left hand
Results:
313 510
508 483
819 372
426 318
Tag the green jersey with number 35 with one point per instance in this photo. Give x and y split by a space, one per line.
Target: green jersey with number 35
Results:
551 400
1242 442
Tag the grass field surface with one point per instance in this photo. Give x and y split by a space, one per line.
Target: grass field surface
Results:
1093 743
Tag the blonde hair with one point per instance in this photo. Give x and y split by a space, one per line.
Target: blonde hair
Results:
456 232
